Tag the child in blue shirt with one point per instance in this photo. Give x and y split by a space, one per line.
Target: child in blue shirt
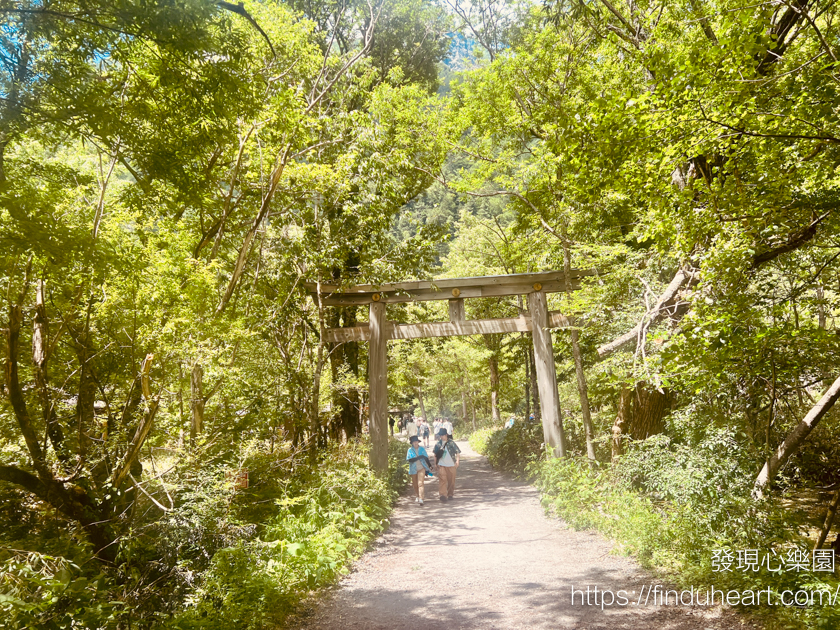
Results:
417 455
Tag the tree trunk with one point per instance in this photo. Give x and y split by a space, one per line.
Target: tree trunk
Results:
86 399
314 402
464 408
650 407
795 439
641 413
40 358
196 402
576 355
622 422
584 396
71 500
535 395
494 390
422 405
345 400
829 519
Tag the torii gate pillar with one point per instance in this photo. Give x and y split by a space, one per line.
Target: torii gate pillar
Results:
546 374
378 382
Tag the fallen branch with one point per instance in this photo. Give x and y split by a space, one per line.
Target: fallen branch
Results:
659 311
795 439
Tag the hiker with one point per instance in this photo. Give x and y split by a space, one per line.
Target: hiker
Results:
391 424
419 466
448 426
510 421
411 427
448 457
424 428
437 424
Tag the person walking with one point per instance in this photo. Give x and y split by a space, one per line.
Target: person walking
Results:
438 423
448 457
448 426
419 465
411 428
391 424
425 431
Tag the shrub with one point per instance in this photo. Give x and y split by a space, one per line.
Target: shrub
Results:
670 506
321 522
51 592
479 439
513 450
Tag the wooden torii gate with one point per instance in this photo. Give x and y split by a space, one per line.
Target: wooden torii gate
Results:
537 320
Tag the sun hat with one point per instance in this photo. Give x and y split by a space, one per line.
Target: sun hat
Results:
414 438
442 432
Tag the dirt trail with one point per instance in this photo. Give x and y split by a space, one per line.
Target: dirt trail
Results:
492 559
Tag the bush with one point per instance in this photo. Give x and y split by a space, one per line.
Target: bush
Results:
479 439
692 504
321 522
513 450
51 592
219 557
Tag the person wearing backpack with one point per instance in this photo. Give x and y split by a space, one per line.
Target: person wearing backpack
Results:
419 466
448 457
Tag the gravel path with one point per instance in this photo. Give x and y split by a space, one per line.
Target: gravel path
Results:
492 559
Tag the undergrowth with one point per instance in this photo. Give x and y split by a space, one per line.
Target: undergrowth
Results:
671 506
225 558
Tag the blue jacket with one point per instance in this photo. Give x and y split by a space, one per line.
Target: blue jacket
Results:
421 454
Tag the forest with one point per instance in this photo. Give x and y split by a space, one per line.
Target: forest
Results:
180 444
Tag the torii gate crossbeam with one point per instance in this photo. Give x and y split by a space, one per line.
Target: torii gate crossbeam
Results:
537 320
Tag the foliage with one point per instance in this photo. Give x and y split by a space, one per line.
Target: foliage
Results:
514 449
319 523
169 175
50 592
677 536
479 439
222 558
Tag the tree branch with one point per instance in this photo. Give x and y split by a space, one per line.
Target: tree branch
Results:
143 428
795 241
795 439
17 399
239 9
25 480
658 312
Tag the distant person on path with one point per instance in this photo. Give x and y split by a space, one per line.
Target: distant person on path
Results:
419 465
411 428
437 425
510 421
391 424
448 457
448 426
424 428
